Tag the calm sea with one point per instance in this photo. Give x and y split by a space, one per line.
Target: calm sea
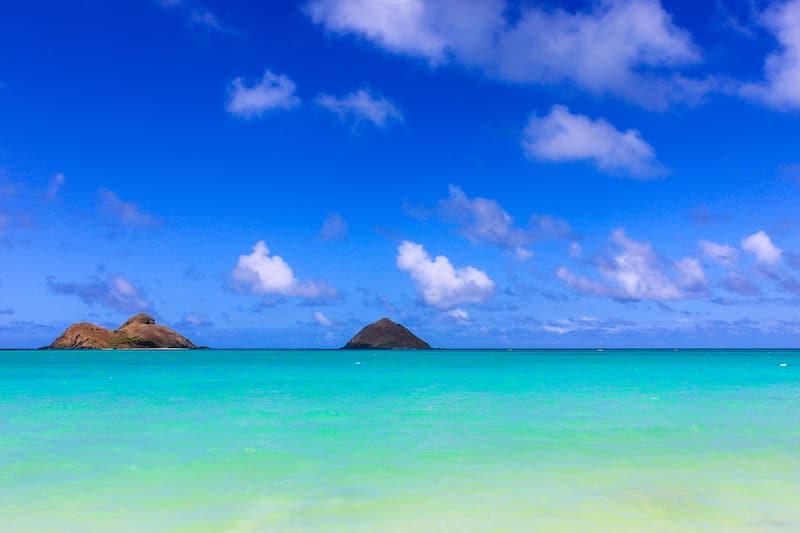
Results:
400 441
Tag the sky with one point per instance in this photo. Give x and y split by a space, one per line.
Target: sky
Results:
498 173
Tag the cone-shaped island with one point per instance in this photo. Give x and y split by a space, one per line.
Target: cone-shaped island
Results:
386 335
137 333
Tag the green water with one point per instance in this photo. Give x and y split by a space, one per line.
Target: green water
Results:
404 441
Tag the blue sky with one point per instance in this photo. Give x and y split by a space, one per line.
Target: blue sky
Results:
499 173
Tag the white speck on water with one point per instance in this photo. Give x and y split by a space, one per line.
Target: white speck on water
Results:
784 364
358 362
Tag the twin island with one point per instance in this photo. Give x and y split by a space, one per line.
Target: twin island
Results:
140 332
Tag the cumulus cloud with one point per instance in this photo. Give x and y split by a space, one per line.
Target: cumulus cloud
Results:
334 227
360 106
781 85
113 291
485 220
265 275
54 186
438 282
126 213
272 92
636 272
760 245
719 253
564 136
621 47
321 319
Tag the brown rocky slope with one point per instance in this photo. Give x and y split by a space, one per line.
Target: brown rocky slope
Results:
386 335
138 332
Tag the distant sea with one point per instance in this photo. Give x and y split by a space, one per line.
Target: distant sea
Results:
399 441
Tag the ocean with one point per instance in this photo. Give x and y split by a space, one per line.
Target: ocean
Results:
350 441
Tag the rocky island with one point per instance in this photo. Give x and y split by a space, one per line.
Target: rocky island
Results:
386 335
137 333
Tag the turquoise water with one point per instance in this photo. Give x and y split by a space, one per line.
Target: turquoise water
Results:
404 441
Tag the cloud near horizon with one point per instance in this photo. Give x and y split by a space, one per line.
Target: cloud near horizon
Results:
565 136
113 291
635 272
722 254
261 274
761 247
438 282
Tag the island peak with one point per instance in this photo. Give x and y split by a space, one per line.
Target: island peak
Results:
386 335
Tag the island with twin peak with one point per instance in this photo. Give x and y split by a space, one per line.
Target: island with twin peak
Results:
140 332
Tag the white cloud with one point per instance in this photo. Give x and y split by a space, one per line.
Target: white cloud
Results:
564 136
262 274
127 213
334 227
54 186
273 92
760 245
114 291
620 47
719 253
459 315
636 272
321 319
485 220
575 249
781 87
361 105
438 282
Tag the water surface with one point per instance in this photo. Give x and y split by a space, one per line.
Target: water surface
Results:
400 441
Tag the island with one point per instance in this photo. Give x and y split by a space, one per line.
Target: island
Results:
386 335
137 333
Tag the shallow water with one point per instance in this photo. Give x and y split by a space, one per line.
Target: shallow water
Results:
400 441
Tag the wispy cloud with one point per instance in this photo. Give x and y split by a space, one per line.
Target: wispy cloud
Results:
125 213
334 227
321 319
201 17
272 93
112 291
722 254
361 106
54 186
564 136
485 220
